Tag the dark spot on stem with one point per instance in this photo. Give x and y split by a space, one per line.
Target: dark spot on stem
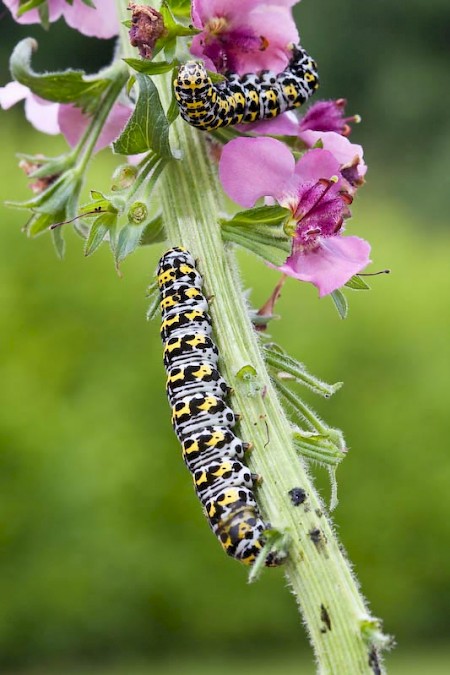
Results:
325 617
318 539
297 495
319 513
374 662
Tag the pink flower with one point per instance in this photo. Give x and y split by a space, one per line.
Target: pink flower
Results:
314 192
324 122
43 115
243 35
55 118
101 21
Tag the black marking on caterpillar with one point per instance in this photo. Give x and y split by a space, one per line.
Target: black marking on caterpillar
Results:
247 98
200 416
297 495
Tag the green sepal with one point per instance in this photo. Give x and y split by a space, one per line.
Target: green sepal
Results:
99 229
153 296
173 27
356 283
58 242
340 302
61 196
70 86
318 447
181 8
283 363
153 232
148 127
127 241
26 5
260 230
149 67
41 222
48 166
44 16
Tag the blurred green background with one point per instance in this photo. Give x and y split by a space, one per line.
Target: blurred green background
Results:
107 564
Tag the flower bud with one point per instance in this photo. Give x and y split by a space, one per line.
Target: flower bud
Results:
124 177
138 213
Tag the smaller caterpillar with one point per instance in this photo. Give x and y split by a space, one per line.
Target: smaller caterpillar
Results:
200 416
249 98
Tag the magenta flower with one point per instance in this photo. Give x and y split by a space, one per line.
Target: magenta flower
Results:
324 122
55 118
101 21
243 35
312 189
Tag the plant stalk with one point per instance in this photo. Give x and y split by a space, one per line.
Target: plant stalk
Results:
332 607
319 574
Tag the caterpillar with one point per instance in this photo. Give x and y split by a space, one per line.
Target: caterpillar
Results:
202 419
252 97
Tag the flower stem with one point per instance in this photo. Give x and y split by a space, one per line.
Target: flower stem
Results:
319 574
341 630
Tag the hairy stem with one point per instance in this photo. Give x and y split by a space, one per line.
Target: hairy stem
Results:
339 625
319 574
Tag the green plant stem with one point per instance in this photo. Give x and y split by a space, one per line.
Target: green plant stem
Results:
319 574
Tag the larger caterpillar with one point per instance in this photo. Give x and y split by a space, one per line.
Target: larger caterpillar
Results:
249 98
201 418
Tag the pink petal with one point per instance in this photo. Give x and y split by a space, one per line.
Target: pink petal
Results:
12 93
331 265
43 115
277 26
344 151
101 22
316 164
55 9
251 168
73 124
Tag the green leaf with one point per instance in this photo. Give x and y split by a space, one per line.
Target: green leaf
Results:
127 241
154 299
173 110
170 48
58 242
148 127
260 230
40 222
149 67
260 215
357 284
153 232
70 86
284 364
340 302
100 227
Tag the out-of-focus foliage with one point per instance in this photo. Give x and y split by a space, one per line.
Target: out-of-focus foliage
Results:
104 550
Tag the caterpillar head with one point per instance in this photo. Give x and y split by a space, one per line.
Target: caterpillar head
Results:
192 80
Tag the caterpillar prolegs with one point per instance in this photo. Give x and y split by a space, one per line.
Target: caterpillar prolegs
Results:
252 97
201 418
